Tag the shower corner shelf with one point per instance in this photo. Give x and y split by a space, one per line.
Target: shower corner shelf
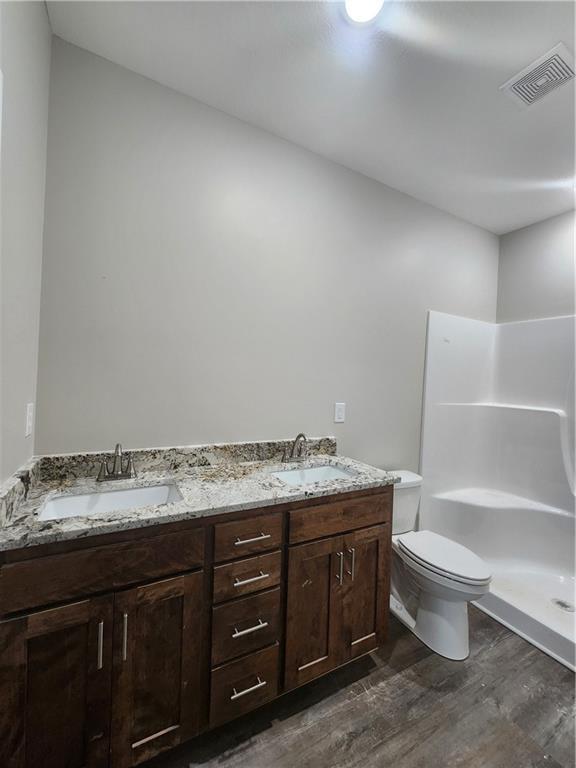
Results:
512 406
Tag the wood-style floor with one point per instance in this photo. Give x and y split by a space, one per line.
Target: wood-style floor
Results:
507 706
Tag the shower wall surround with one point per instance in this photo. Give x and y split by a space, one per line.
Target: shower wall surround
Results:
498 463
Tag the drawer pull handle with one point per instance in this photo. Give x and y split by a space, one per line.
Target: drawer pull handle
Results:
340 574
241 582
124 636
352 571
241 632
100 659
239 694
261 537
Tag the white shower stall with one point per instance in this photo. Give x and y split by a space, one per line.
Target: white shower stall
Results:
498 464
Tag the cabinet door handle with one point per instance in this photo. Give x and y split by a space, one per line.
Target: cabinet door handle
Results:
352 571
241 632
100 654
241 583
261 537
124 636
239 694
340 574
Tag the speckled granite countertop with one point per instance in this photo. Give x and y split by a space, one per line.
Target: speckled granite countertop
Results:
207 488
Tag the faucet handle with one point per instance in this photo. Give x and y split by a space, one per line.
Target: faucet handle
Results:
103 472
130 469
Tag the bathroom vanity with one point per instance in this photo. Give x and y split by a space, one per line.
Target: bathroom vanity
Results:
127 639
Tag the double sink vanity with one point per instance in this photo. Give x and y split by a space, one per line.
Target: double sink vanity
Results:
136 613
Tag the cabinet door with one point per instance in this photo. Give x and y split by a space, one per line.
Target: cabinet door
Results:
314 610
158 653
366 590
55 684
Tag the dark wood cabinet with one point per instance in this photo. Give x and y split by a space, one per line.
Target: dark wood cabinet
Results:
177 630
247 537
245 577
243 685
55 683
314 522
158 656
366 590
34 583
337 603
245 625
314 610
57 668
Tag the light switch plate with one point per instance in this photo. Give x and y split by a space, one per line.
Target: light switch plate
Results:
339 413
29 419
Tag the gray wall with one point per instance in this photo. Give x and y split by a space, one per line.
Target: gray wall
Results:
204 280
536 275
25 63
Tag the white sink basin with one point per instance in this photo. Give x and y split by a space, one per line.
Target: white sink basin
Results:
86 504
313 475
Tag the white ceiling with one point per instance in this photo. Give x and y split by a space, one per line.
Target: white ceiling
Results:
411 100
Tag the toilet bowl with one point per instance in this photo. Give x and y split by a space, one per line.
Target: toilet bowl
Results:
433 577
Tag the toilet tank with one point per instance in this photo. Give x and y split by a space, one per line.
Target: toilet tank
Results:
406 501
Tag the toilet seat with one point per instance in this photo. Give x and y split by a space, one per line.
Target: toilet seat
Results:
443 557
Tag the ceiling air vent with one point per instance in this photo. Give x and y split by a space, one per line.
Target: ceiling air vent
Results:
542 76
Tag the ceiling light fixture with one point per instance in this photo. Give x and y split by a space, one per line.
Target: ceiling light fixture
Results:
363 11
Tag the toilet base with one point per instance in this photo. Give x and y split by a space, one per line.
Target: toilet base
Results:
442 625
433 606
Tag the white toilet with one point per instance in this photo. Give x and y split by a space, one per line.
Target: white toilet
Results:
433 578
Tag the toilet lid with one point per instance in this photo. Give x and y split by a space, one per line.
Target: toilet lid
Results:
407 479
444 556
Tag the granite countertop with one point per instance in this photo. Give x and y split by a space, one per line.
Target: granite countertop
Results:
206 490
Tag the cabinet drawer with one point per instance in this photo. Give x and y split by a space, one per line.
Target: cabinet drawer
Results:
244 577
247 537
243 685
34 583
245 625
310 523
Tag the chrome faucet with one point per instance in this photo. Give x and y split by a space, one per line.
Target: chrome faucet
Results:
120 470
299 451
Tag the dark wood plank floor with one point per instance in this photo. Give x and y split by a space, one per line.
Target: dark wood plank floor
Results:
507 706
